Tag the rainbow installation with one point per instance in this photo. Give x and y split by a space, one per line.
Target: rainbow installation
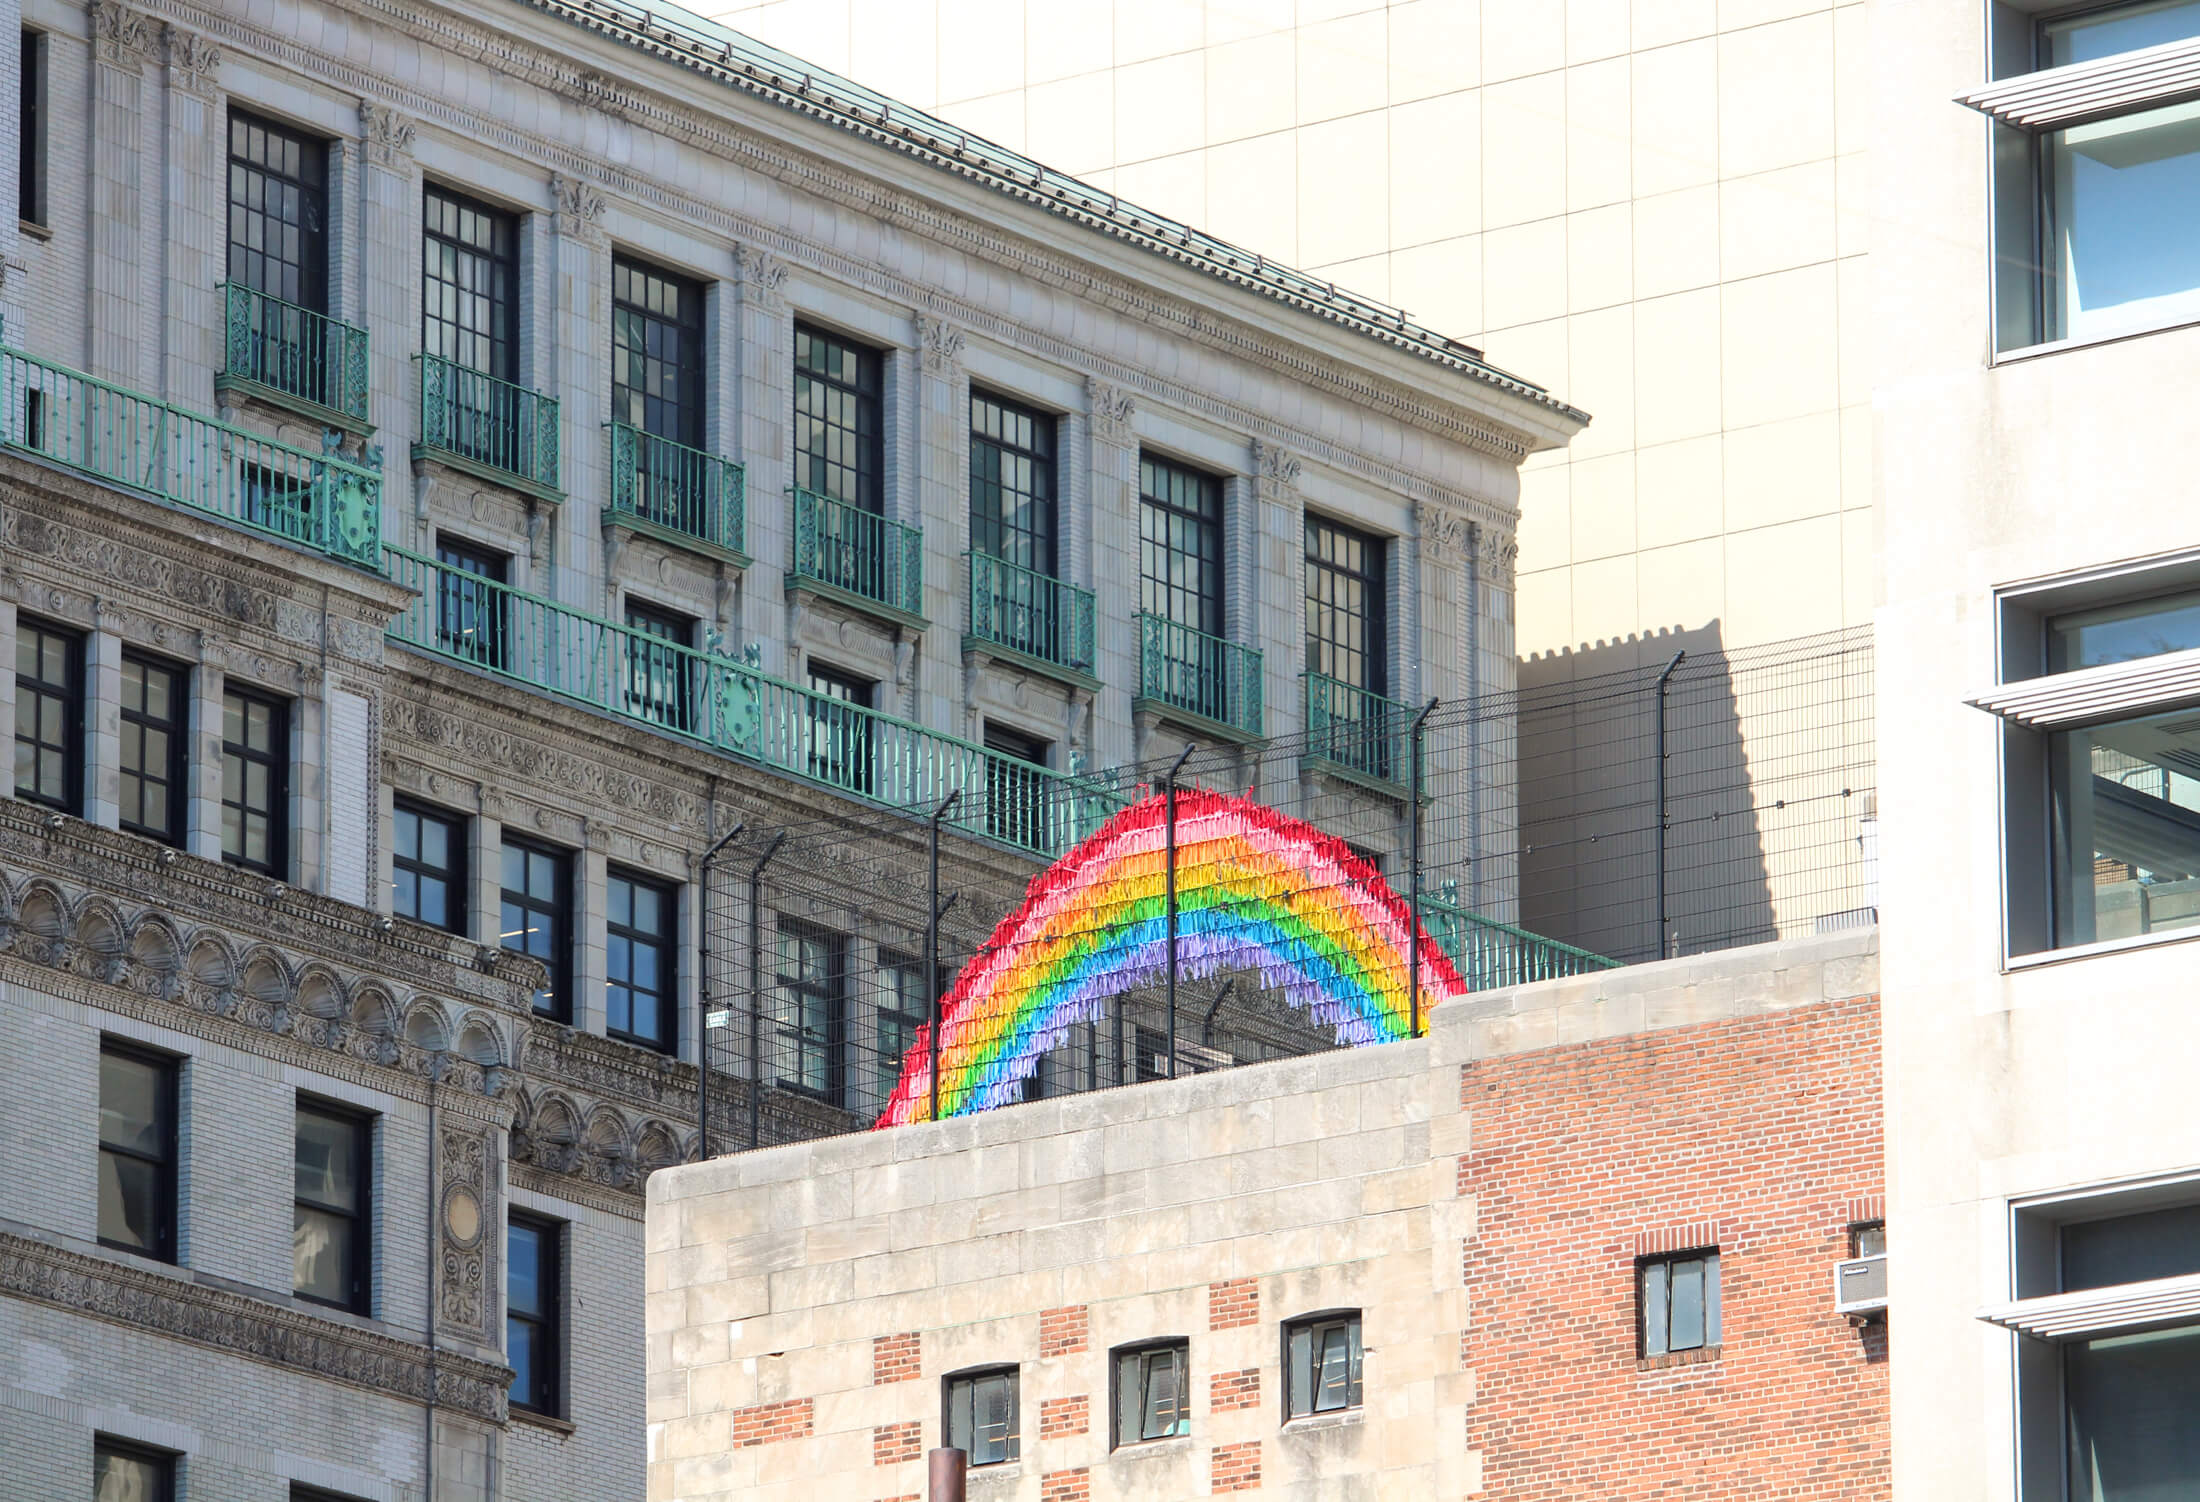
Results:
1256 890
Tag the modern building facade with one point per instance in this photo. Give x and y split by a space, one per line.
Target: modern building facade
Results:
1579 1240
2036 651
456 468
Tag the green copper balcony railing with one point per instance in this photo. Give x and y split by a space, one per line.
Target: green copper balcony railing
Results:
121 437
733 708
1029 612
1358 731
1180 668
293 351
679 489
858 551
490 424
1490 954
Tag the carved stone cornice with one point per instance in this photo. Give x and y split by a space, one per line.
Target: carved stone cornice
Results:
580 209
121 37
1446 536
194 63
1111 409
172 1305
940 345
388 136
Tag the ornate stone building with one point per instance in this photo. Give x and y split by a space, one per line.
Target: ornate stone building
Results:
456 466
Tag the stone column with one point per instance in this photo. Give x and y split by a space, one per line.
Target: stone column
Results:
722 435
103 718
1275 619
1113 488
578 374
382 275
122 42
203 775
764 415
194 231
941 505
1493 679
590 965
485 871
309 777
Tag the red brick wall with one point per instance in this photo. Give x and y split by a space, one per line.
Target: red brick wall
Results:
769 1423
1230 1390
895 1358
893 1443
1762 1133
1232 1303
1062 1332
1066 1486
1234 1468
1059 1416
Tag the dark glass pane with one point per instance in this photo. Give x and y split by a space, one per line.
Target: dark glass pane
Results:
1332 1381
523 1267
321 1255
1687 1316
520 1340
327 1161
1655 1289
2131 1404
123 1477
132 1202
133 1105
2131 1248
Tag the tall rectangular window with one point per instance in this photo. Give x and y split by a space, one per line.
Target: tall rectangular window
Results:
657 351
330 1225
470 610
1153 1397
1321 1362
278 211
538 917
534 1308
49 715
137 1150
981 1418
156 713
1012 483
901 1008
660 677
1015 790
838 433
640 959
428 865
30 137
1346 634
1180 545
255 781
123 1472
469 275
1678 1300
840 739
810 1005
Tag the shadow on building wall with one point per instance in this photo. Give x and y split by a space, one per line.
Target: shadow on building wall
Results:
1768 763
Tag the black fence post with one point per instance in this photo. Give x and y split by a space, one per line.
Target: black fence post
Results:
1169 793
1413 940
932 944
756 989
702 1001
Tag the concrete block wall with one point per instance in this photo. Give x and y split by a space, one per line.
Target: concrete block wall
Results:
805 1303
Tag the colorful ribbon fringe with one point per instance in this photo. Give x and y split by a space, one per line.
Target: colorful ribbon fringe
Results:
1256 890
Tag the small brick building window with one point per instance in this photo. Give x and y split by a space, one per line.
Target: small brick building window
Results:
1152 1397
1678 1300
981 1419
1322 1358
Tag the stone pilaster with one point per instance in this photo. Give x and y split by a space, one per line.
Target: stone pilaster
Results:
942 463
722 433
1274 558
485 871
14 308
1112 478
122 43
590 962
764 417
382 278
103 718
204 775
194 234
578 373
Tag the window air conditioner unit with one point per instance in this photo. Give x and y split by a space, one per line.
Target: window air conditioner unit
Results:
1860 1286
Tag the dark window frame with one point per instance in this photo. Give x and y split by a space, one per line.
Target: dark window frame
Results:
361 1218
546 1366
1015 800
31 118
965 1383
277 761
1326 654
1178 503
1654 1298
829 1043
660 684
169 1162
1141 1352
69 694
175 776
674 344
472 621
849 402
846 737
300 1492
666 941
458 831
1011 431
886 1009
299 278
562 909
1315 1326
164 1460
459 335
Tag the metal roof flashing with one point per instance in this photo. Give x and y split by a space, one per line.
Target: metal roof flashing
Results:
742 63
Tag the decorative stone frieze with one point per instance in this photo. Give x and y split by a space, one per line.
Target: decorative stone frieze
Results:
388 136
1111 409
194 62
121 37
236 1324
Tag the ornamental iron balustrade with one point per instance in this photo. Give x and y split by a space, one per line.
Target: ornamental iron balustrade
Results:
1359 731
1490 954
858 551
294 350
468 415
731 707
678 488
1199 674
115 434
1030 612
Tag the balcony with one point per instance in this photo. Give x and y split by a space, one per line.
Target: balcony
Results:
1490 954
858 557
501 432
1358 735
1201 680
294 357
177 456
1020 613
681 495
723 704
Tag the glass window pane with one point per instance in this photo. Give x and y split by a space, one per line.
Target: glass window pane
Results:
2132 1435
2099 34
523 1264
132 1104
1334 1376
1687 1318
1654 1309
2126 827
2131 1248
2124 220
326 1167
128 1478
131 1199
321 1253
519 1349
